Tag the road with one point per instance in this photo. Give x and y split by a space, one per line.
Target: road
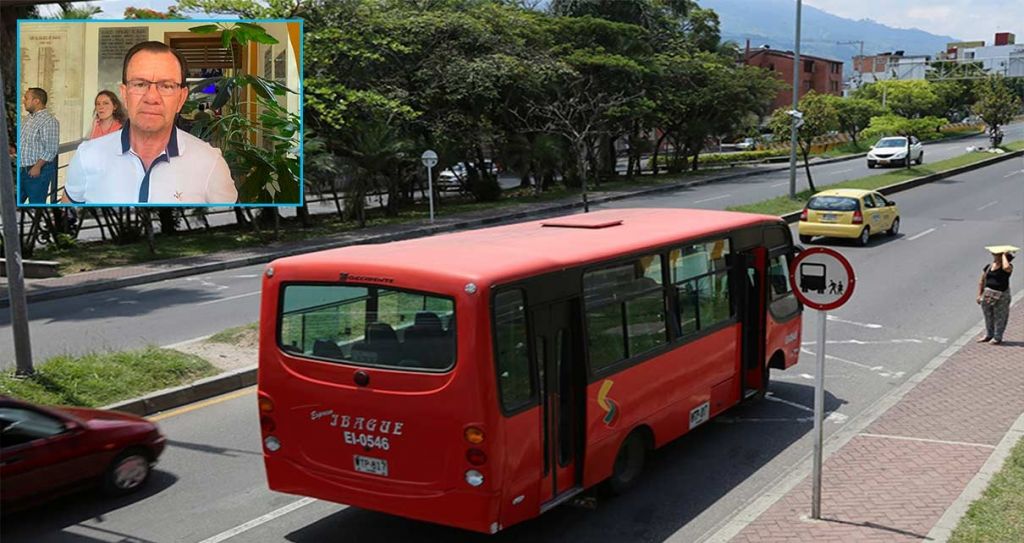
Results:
831 174
915 294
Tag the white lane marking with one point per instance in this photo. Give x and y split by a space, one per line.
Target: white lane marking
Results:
938 339
258 521
237 296
843 171
205 283
780 184
925 233
1011 174
882 371
862 342
800 406
990 204
924 440
833 318
710 199
246 276
836 417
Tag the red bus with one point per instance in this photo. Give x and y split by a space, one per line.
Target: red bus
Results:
480 378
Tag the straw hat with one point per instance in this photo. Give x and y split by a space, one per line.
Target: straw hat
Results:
999 249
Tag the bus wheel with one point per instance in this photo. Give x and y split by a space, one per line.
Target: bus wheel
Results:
629 464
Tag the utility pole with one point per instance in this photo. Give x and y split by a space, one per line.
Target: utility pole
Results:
796 101
12 250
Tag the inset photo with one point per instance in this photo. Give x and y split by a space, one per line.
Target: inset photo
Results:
160 113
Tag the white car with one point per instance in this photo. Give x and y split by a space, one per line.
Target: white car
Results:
893 150
450 178
746 144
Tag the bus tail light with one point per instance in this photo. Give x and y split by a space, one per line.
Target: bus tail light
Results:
474 478
267 424
803 215
474 435
858 217
266 404
476 457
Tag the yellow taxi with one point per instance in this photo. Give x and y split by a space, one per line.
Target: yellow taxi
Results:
848 213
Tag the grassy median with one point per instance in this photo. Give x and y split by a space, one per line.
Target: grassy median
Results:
99 379
784 204
999 514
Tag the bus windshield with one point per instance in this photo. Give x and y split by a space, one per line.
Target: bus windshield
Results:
368 326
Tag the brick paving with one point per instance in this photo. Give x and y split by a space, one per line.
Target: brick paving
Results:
895 479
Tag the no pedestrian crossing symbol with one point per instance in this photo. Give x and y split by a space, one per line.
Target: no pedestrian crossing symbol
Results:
822 278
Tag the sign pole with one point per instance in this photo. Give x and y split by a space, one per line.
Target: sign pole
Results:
821 279
819 415
429 159
430 189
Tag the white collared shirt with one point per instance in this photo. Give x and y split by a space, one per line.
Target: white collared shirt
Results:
107 171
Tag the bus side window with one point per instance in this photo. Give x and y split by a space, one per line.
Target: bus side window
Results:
625 311
783 302
512 357
701 279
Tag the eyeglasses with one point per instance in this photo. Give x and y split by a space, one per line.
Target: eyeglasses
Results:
141 86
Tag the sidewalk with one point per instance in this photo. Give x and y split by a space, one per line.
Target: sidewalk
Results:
910 473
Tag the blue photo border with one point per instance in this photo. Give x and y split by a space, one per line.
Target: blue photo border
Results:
302 120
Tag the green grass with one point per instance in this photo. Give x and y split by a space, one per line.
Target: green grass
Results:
99 379
999 514
233 336
783 204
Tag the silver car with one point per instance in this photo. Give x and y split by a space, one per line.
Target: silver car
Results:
893 151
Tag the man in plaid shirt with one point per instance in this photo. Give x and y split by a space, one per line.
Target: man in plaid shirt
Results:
37 146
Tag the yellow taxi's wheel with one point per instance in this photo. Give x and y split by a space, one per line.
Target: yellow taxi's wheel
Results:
895 228
865 235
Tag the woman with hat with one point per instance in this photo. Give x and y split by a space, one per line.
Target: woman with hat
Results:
994 293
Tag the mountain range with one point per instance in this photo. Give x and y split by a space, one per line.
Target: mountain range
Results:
773 23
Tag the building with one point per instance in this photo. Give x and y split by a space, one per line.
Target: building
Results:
886 66
819 74
1005 58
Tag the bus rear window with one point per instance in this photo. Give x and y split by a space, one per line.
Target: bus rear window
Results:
368 326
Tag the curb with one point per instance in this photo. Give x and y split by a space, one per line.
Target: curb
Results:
244 377
202 389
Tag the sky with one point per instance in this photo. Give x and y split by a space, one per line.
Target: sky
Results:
964 19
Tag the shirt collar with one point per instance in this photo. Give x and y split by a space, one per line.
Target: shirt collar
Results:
172 145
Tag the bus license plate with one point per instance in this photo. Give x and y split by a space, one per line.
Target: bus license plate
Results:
373 466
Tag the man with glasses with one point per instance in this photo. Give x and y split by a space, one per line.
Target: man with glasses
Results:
150 161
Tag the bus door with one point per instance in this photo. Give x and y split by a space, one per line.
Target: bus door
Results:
558 350
751 315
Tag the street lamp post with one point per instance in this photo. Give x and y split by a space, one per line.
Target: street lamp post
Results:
796 100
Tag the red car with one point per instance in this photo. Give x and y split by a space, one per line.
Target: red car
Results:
46 451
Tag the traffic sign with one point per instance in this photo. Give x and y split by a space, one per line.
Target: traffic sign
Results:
822 278
429 159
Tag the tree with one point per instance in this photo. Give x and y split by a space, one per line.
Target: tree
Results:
249 9
854 114
819 118
997 104
146 13
913 98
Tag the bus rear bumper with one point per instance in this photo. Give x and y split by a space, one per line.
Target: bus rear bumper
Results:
467 509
